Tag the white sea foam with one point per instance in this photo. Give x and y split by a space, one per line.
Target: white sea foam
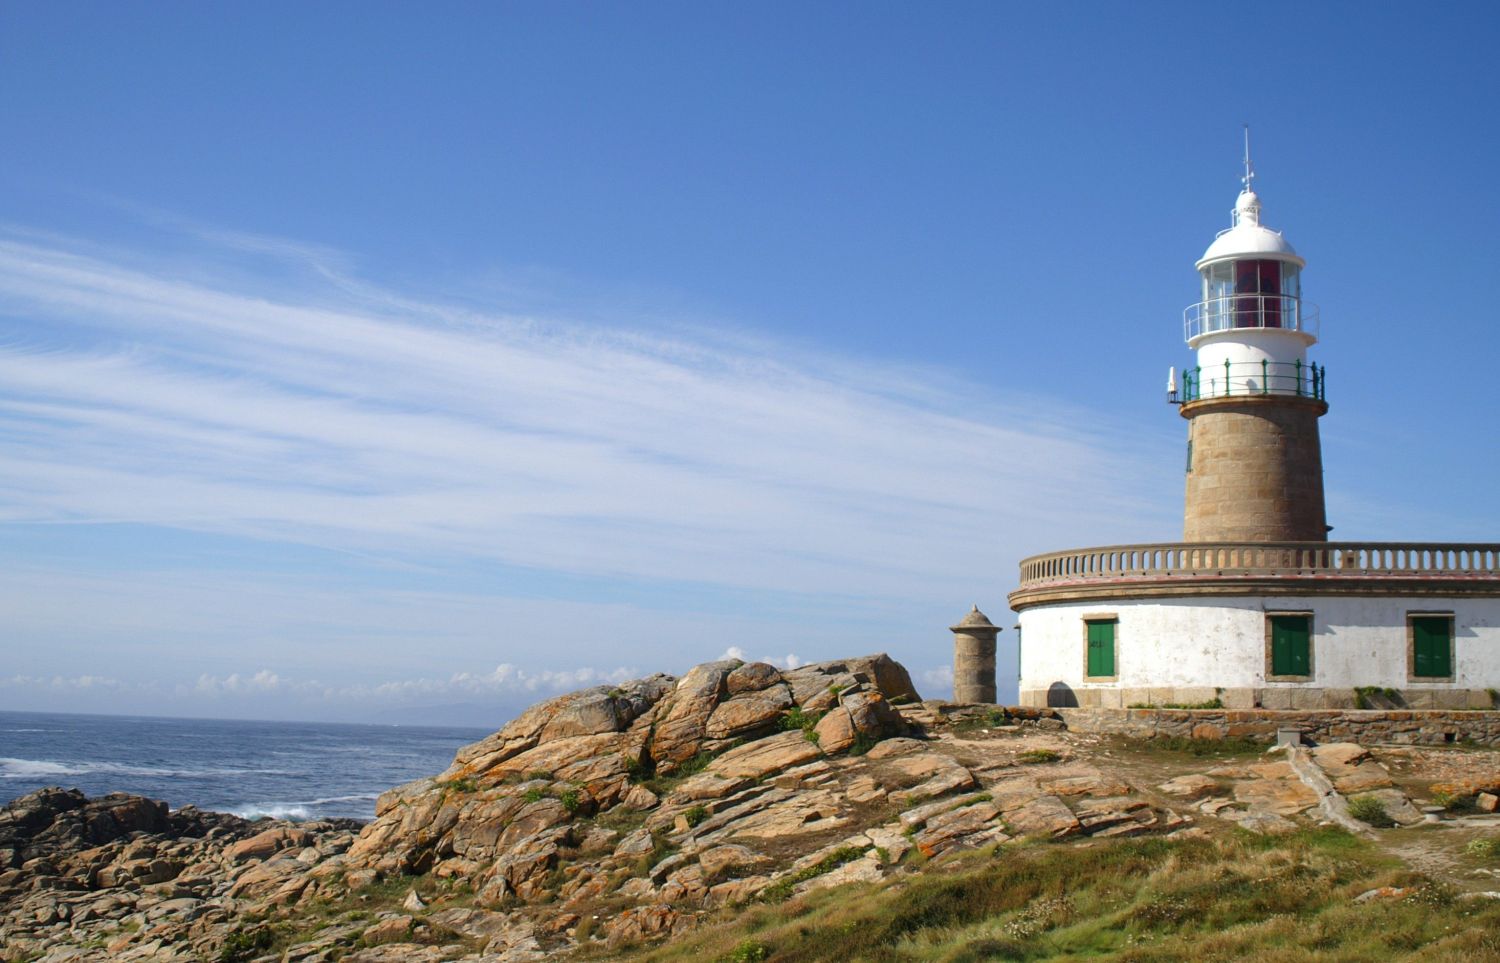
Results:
33 768
273 811
296 810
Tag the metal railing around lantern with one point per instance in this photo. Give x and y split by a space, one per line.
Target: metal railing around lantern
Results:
1298 378
1232 311
1302 379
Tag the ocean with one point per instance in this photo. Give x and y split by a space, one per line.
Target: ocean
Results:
287 770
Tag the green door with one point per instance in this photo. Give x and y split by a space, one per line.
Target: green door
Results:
1431 641
1291 647
1101 648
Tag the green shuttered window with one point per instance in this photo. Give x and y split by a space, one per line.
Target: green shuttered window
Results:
1291 644
1432 646
1101 640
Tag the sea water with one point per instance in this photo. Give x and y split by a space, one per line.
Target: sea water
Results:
287 770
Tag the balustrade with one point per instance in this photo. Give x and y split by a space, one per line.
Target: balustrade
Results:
1189 559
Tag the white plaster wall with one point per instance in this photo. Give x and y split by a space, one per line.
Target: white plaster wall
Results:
1250 345
1221 642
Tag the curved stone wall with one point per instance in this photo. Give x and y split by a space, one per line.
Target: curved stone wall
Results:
1194 650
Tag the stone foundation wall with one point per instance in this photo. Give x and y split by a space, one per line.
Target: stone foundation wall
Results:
1270 697
1408 727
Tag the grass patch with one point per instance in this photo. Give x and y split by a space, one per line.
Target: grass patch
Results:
1198 748
661 848
1370 811
695 815
991 719
463 784
1214 703
1454 801
638 769
643 772
795 719
781 890
750 951
246 944
1487 848
1037 756
1230 897
1369 697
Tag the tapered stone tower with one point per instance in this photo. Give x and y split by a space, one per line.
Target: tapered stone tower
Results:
974 658
1254 463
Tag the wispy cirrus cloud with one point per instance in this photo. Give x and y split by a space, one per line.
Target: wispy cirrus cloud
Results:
131 395
303 406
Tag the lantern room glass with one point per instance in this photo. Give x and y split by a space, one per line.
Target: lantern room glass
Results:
1251 293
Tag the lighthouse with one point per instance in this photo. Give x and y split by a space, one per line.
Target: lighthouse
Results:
1254 608
1253 398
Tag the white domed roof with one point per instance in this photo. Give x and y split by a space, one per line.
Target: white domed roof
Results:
1249 236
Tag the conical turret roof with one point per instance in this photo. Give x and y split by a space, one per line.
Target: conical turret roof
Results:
975 619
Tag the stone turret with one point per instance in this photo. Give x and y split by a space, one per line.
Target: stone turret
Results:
974 658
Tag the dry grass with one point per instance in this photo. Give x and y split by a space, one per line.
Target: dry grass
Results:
1144 901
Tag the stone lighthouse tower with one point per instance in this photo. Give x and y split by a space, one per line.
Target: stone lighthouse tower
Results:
1254 608
1253 400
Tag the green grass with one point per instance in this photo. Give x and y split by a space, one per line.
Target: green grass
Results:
782 889
246 944
795 719
1036 756
1487 848
643 772
1363 696
1239 896
1371 811
750 951
992 719
1455 802
1198 748
661 848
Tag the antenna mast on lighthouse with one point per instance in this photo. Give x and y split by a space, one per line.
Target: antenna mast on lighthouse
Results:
1249 170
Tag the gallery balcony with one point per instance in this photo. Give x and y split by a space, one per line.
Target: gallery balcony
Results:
1178 569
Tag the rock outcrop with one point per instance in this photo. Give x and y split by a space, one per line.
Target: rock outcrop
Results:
610 816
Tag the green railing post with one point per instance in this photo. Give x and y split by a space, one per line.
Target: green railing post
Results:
1265 377
1198 379
1228 385
1298 365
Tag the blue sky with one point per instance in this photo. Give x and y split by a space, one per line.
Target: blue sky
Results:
368 361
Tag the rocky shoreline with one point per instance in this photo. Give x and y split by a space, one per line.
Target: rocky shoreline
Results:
122 877
617 815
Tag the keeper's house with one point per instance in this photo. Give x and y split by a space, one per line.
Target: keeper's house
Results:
1255 607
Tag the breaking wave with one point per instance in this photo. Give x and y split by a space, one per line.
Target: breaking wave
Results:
296 810
32 768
